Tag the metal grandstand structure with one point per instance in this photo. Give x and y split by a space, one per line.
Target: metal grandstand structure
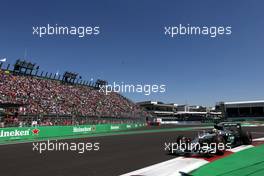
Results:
27 68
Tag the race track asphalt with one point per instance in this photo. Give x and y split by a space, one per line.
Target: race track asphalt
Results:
117 155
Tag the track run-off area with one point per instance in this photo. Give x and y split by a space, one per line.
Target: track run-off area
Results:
120 153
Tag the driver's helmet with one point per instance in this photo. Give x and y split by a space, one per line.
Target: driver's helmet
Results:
215 130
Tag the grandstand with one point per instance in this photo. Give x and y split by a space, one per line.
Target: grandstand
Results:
242 110
27 97
174 113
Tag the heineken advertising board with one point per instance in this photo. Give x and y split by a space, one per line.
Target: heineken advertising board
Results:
43 132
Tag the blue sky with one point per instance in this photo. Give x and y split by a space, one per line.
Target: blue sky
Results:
132 47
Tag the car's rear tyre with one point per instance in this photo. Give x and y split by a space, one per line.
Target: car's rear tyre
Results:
246 138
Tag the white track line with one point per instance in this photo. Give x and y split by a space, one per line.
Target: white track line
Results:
171 167
259 139
240 148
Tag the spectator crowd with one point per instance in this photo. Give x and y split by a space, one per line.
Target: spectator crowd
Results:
52 97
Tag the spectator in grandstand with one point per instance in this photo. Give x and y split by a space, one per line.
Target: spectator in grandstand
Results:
52 97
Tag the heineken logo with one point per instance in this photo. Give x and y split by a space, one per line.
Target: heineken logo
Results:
14 133
82 129
114 127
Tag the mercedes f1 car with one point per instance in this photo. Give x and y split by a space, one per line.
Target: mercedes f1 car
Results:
223 136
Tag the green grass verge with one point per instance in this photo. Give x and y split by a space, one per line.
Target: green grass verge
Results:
249 162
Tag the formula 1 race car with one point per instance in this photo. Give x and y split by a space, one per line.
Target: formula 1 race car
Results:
223 136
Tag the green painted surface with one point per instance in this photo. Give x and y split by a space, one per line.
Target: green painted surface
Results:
249 162
50 132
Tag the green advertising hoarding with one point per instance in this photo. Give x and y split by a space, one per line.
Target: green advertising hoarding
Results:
53 132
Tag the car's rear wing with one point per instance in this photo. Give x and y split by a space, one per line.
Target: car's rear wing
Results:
223 125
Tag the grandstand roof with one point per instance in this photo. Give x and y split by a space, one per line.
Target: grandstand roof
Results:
243 102
157 103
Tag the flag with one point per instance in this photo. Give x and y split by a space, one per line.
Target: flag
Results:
3 60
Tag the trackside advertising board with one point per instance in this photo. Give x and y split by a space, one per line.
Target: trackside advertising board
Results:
42 132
